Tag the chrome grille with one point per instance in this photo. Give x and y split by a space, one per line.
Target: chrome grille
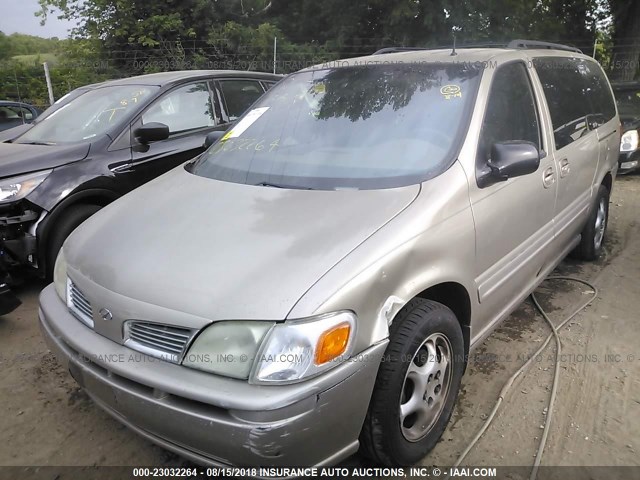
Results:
78 304
158 340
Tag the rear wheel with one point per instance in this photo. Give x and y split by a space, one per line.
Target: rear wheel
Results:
417 384
67 223
593 234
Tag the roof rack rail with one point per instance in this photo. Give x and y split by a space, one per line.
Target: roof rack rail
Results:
525 44
382 51
514 44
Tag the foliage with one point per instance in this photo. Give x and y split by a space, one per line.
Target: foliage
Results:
625 64
129 37
36 58
72 63
20 44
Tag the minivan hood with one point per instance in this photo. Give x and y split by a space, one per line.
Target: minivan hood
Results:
19 158
222 250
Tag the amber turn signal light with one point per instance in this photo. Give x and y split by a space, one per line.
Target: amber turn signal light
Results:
332 343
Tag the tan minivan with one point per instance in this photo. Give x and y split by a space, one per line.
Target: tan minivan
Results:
314 282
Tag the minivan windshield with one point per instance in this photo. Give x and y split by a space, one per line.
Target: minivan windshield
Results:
89 115
349 127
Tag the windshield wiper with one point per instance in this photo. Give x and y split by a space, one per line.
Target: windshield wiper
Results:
38 143
281 185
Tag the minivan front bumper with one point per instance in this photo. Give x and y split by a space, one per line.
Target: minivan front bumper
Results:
229 422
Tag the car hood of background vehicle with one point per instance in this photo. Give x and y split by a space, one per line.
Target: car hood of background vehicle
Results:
630 121
15 132
19 158
222 250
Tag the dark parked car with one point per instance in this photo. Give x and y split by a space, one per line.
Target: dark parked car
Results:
102 141
13 114
628 98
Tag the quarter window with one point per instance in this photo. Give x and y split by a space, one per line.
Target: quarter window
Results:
185 108
511 111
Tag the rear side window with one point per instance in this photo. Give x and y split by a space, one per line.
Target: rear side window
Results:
602 101
578 96
239 95
511 111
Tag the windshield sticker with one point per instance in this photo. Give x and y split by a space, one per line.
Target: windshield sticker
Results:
451 91
319 88
245 123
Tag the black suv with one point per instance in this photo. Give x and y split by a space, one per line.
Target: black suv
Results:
98 143
628 98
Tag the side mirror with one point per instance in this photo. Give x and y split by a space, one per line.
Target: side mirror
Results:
151 132
595 120
508 160
212 138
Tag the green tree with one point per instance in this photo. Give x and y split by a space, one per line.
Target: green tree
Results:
4 46
167 34
626 40
149 35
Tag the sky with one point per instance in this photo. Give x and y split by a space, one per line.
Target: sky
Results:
18 16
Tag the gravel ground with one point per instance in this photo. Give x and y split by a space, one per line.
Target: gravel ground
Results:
48 420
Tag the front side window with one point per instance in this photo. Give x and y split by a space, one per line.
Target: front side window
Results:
511 111
14 112
356 127
239 95
89 115
7 115
186 108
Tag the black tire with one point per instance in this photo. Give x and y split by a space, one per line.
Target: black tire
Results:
70 219
383 437
594 233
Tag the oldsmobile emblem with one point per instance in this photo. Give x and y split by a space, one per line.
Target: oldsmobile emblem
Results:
106 314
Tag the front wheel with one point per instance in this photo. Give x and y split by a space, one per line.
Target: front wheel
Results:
593 234
417 384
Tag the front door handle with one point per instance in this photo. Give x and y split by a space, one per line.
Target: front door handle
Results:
565 168
548 177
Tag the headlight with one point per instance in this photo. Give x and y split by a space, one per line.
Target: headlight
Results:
60 276
629 141
298 350
273 353
227 348
16 188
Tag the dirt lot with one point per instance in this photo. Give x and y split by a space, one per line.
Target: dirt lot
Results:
48 420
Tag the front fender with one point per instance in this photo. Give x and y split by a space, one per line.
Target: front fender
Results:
430 243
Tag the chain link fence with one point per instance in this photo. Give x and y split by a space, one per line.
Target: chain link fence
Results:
26 81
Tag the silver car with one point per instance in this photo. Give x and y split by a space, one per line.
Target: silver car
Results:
313 283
